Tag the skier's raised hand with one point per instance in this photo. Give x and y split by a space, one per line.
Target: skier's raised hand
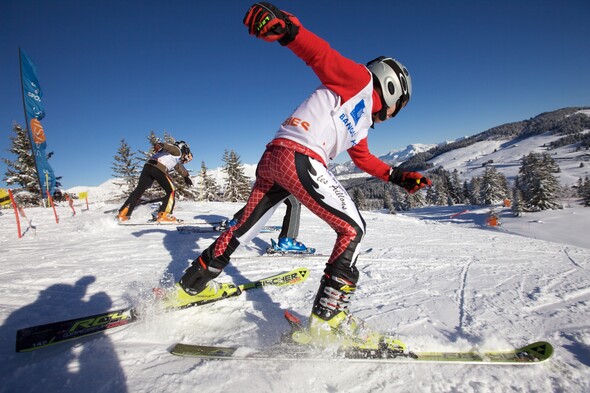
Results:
266 21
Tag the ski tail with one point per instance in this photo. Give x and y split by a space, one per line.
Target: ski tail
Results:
40 336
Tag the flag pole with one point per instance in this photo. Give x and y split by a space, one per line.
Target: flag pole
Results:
20 62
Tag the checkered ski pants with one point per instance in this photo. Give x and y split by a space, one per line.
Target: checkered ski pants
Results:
280 172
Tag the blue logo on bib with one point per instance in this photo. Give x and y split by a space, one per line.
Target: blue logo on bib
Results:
358 111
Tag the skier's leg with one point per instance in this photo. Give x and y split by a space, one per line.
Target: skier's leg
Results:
145 181
165 182
323 195
290 228
264 199
331 321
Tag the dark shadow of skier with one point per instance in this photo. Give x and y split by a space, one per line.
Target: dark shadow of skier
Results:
88 364
182 249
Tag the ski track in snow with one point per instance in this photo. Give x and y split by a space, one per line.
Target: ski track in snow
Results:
436 285
572 260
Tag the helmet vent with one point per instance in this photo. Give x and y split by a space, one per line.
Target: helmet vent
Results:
404 83
391 88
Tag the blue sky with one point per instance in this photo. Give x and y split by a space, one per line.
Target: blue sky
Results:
113 70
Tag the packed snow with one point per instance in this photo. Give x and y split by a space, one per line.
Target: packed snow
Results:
437 278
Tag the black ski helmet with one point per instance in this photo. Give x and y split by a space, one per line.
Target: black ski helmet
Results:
184 147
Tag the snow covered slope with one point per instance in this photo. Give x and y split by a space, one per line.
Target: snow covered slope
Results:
435 281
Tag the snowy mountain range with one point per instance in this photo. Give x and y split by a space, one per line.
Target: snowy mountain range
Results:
393 158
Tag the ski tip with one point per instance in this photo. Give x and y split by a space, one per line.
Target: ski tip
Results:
302 273
541 350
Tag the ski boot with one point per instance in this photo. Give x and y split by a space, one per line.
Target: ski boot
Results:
197 287
288 245
167 218
331 325
225 224
122 216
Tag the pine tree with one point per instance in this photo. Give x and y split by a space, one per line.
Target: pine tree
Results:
517 204
388 202
475 191
209 188
440 195
397 198
22 172
431 196
456 188
540 187
584 191
125 169
466 192
359 198
493 186
415 200
237 187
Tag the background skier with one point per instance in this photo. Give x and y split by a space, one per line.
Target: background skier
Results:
289 229
167 157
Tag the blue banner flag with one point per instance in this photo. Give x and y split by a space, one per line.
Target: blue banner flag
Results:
31 89
34 112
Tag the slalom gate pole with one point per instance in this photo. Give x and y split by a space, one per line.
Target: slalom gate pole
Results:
15 213
53 206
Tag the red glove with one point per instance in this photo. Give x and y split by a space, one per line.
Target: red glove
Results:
410 181
266 21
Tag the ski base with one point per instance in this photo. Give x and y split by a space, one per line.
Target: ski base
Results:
41 336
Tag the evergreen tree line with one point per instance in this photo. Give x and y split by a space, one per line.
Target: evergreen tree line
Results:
128 164
583 190
535 188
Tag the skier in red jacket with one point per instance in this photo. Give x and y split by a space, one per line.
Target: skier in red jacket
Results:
335 118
